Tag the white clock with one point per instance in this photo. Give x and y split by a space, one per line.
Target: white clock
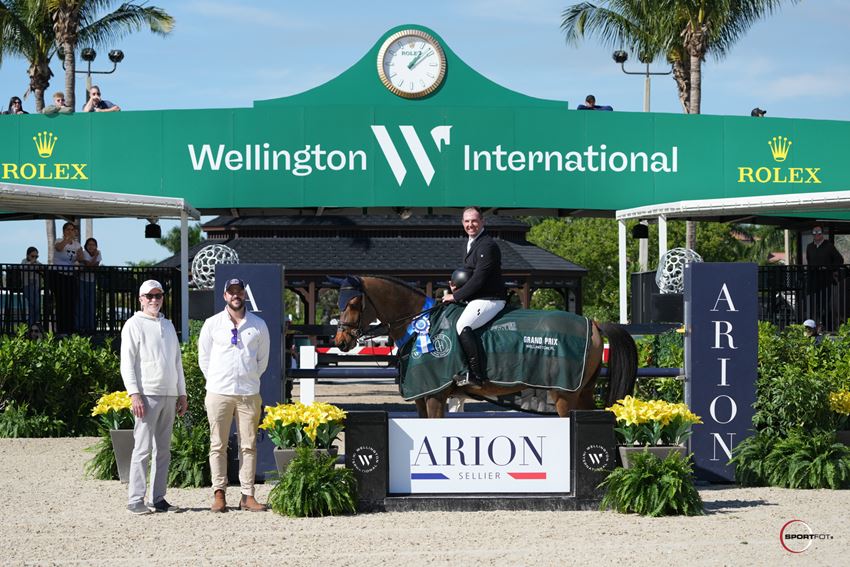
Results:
411 64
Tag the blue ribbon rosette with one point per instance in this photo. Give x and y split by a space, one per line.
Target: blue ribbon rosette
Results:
421 327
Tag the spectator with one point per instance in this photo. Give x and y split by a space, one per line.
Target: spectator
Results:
590 104
58 106
758 112
63 278
15 107
152 371
812 330
97 104
89 258
233 352
36 333
32 285
823 260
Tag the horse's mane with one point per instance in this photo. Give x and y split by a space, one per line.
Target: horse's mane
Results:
398 281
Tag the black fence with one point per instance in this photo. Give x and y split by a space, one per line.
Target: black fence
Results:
792 294
788 295
86 301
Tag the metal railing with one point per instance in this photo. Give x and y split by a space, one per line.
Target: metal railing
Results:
787 295
80 300
792 294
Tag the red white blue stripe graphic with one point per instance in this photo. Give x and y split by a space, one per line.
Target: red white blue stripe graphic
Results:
513 475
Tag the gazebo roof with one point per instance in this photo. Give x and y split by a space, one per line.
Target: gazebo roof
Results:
332 245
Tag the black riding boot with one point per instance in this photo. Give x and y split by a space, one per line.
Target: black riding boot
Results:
474 358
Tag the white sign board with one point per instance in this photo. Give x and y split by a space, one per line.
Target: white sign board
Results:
493 455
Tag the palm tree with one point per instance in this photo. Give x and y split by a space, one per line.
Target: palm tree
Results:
684 31
77 21
26 30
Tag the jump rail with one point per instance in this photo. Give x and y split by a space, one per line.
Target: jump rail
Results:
310 371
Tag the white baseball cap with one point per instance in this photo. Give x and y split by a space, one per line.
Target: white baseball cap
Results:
149 286
810 323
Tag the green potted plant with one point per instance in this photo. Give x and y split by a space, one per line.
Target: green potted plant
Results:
653 426
653 487
115 448
313 485
839 402
313 426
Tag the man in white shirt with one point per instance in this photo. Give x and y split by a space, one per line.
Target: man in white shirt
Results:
63 281
233 352
152 370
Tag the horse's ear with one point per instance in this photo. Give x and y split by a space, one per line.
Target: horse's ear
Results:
335 281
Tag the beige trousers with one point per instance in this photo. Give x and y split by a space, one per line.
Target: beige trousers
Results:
220 411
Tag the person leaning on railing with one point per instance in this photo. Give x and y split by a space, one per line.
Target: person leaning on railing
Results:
31 280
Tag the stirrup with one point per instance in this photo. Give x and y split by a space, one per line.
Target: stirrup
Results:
468 380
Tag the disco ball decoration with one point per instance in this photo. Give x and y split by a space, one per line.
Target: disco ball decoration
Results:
670 275
203 265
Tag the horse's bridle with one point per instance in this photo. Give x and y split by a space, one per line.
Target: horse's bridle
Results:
356 329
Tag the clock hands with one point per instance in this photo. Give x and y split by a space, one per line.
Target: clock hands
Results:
419 58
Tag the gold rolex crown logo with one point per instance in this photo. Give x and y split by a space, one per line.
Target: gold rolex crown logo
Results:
44 143
779 147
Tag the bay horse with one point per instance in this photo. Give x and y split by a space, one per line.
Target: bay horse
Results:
396 303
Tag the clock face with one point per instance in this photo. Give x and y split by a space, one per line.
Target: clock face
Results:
411 64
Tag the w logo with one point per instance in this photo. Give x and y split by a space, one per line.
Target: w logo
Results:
440 135
364 459
595 458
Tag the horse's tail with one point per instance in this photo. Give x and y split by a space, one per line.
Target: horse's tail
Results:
622 361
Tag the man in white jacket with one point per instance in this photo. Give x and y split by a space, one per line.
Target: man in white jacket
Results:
233 352
152 370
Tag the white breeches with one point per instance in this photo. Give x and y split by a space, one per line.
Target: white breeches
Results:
478 313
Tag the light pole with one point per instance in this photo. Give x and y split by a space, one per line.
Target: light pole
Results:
621 57
88 55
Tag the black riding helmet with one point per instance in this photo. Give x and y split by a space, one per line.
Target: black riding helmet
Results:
460 277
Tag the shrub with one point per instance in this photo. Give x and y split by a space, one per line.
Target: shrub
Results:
313 486
666 350
58 379
190 450
653 487
17 420
793 399
806 460
750 459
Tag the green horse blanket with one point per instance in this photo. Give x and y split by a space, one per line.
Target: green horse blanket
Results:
540 349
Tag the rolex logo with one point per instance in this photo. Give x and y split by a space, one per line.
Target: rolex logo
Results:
44 143
779 147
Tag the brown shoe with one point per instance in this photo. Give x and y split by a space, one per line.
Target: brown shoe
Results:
250 503
219 503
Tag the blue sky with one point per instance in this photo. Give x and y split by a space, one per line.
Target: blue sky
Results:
228 54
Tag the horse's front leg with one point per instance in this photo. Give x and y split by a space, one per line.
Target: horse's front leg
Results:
421 407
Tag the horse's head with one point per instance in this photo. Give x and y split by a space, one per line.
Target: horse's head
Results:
352 299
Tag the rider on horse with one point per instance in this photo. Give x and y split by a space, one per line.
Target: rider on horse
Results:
483 291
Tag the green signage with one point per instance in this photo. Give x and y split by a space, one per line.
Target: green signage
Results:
353 142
